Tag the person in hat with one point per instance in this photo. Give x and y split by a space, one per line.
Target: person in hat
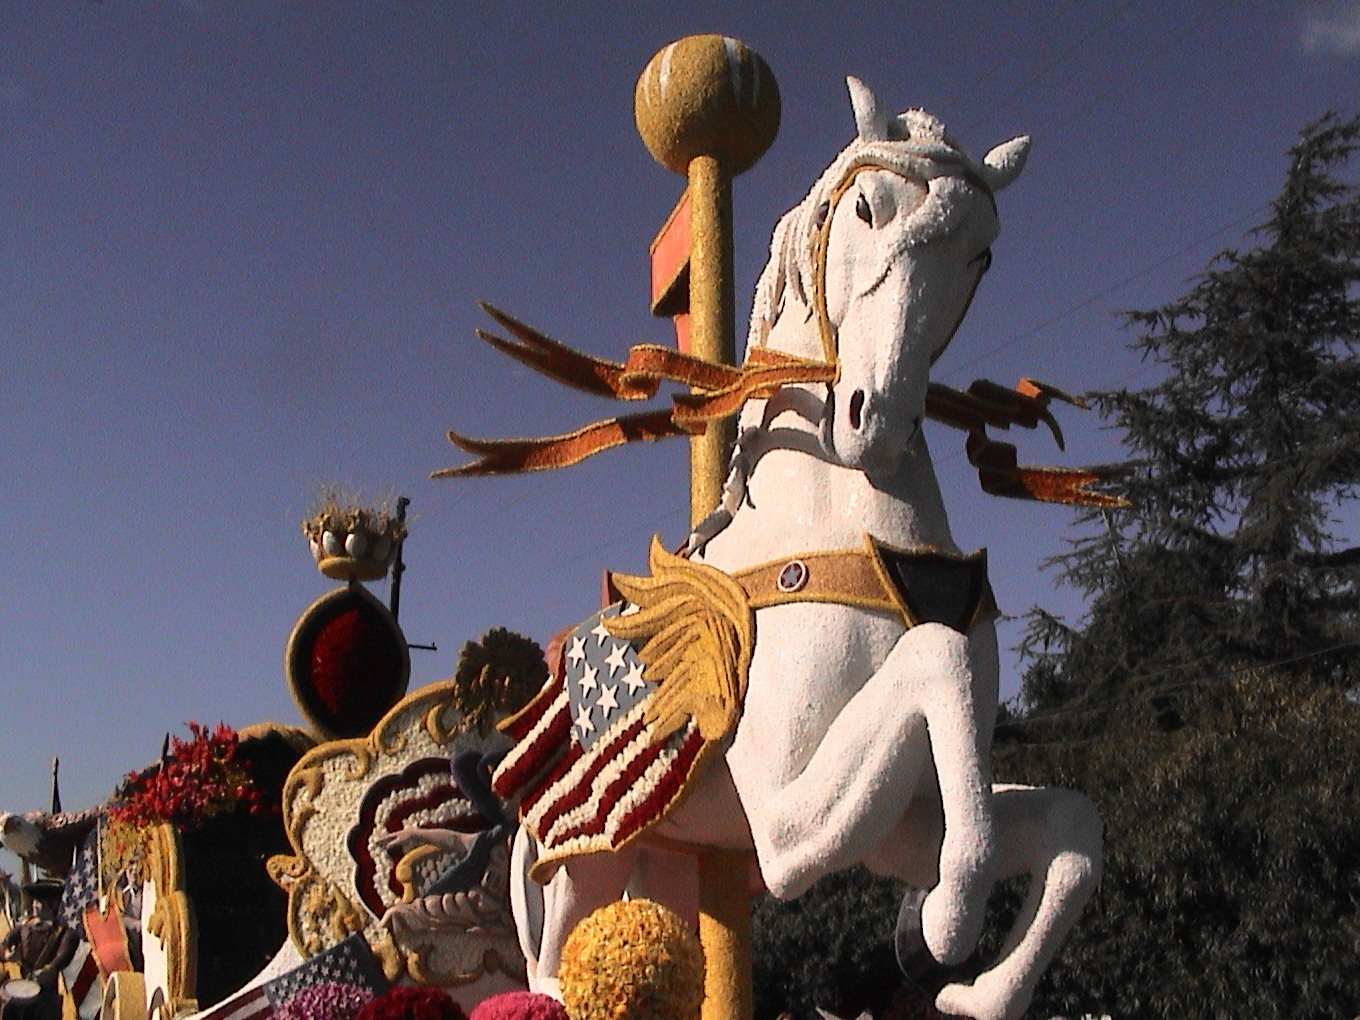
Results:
42 946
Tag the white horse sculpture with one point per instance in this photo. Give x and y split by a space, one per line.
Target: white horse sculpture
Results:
868 706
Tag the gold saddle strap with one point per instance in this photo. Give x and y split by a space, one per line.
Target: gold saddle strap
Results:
924 585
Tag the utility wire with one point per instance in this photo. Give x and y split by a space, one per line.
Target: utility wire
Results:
1042 29
1112 288
1131 71
1098 97
1053 64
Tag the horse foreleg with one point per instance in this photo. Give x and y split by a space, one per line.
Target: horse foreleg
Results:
1054 836
959 721
959 707
934 694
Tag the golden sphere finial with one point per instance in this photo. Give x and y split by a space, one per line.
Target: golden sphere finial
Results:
707 95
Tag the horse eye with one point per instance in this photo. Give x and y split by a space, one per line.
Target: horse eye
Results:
862 210
985 257
820 216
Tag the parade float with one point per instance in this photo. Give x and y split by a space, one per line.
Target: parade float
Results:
809 683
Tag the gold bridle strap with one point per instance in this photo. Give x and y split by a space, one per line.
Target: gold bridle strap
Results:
721 390
826 329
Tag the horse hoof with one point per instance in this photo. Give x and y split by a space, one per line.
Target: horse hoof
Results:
914 959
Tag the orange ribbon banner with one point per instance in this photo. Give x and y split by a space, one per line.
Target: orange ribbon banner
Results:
721 390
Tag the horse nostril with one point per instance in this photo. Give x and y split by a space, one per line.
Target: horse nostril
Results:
856 409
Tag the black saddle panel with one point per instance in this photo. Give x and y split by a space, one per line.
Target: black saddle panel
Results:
937 587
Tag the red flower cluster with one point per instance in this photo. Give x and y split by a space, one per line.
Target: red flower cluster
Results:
199 778
412 1002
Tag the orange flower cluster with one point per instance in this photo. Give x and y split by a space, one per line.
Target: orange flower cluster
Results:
632 960
198 779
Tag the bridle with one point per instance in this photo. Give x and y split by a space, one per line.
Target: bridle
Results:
827 331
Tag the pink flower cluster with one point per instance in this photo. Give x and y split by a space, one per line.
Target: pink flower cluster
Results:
519 1006
199 778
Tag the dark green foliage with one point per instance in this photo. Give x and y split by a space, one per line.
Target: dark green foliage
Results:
1231 887
831 947
1243 455
1207 702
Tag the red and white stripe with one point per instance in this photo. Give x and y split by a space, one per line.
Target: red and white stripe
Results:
252 1004
578 800
541 731
82 982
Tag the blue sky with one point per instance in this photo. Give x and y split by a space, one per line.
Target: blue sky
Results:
242 243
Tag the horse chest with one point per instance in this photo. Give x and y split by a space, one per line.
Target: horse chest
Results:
810 660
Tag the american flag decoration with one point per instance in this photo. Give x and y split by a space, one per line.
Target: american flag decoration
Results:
82 884
81 976
590 771
350 962
81 892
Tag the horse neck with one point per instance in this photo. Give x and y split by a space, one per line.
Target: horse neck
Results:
798 501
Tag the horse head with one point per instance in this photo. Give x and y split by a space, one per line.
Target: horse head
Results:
881 259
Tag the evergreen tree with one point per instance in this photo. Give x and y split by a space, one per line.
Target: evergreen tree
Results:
1208 702
1242 457
1231 890
830 948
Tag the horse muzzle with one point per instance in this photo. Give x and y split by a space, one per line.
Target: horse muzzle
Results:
857 434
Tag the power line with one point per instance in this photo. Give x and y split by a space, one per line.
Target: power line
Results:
1042 29
1130 71
1114 287
1101 96
1053 64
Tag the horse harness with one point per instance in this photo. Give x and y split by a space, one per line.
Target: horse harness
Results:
924 585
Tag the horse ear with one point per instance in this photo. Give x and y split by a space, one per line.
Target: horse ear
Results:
1004 163
871 120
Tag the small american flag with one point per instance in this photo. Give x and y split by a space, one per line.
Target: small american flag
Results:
81 976
81 888
350 962
80 891
587 767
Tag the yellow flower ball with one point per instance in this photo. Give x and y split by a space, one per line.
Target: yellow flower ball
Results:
632 960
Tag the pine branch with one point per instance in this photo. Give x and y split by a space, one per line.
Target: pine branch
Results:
1338 559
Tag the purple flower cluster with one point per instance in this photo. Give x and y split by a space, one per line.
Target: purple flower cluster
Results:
325 1001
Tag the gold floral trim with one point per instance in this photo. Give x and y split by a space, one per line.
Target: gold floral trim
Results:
321 798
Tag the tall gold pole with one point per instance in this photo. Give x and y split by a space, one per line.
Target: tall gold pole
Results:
712 318
708 107
724 902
